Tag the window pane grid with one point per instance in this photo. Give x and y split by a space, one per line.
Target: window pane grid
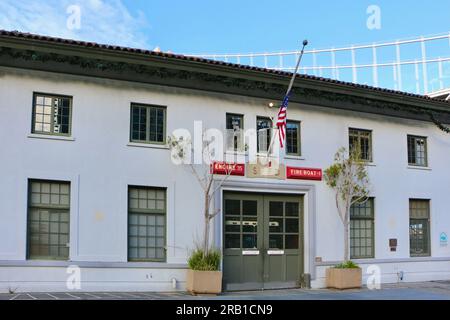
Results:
419 226
147 224
51 115
293 137
139 123
234 132
233 224
284 225
361 138
50 193
417 151
264 133
362 230
48 220
148 123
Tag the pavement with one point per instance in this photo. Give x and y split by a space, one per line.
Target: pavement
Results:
433 290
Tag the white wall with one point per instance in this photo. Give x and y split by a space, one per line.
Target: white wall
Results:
100 164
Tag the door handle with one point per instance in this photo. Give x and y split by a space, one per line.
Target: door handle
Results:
275 252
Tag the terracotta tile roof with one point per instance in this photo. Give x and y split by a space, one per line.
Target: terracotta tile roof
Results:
17 34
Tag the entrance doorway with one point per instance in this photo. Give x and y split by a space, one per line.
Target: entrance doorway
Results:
263 241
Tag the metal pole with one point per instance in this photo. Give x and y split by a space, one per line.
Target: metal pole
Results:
399 68
416 71
424 67
333 64
314 62
394 70
375 68
354 75
291 83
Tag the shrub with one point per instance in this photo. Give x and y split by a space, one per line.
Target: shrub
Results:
200 261
347 265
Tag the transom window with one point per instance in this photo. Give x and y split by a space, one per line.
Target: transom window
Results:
417 151
293 138
419 227
48 220
148 123
362 139
52 114
146 224
264 133
362 230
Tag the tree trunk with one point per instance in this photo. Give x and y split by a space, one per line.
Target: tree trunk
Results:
206 226
346 240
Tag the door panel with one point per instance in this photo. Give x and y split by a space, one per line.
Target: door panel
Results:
263 241
283 248
242 263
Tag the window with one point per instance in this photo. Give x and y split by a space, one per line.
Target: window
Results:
146 224
148 124
235 132
362 139
293 138
264 133
51 114
417 151
419 227
241 224
48 220
362 230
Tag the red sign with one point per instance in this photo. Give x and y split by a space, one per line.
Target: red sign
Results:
304 173
234 169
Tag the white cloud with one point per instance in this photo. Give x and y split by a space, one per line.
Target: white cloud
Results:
102 21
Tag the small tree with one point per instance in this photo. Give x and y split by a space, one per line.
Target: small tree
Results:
181 150
350 180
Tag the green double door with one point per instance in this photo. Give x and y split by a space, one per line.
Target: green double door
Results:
263 241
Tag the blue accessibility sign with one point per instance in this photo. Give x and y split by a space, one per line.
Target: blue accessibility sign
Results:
443 239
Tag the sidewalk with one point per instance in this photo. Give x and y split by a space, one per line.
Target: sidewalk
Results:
435 290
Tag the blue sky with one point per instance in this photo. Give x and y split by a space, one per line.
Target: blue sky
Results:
246 26
208 27
202 26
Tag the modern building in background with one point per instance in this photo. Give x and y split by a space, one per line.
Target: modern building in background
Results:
86 178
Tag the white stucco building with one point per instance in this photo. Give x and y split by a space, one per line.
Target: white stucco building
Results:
86 178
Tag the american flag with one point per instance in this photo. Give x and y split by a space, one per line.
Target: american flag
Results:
281 122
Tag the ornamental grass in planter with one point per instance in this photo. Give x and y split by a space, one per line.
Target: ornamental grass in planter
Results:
203 276
345 275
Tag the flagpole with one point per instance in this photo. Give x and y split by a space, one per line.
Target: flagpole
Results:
291 83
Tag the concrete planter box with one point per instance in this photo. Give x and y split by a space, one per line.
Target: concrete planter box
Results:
209 282
344 278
